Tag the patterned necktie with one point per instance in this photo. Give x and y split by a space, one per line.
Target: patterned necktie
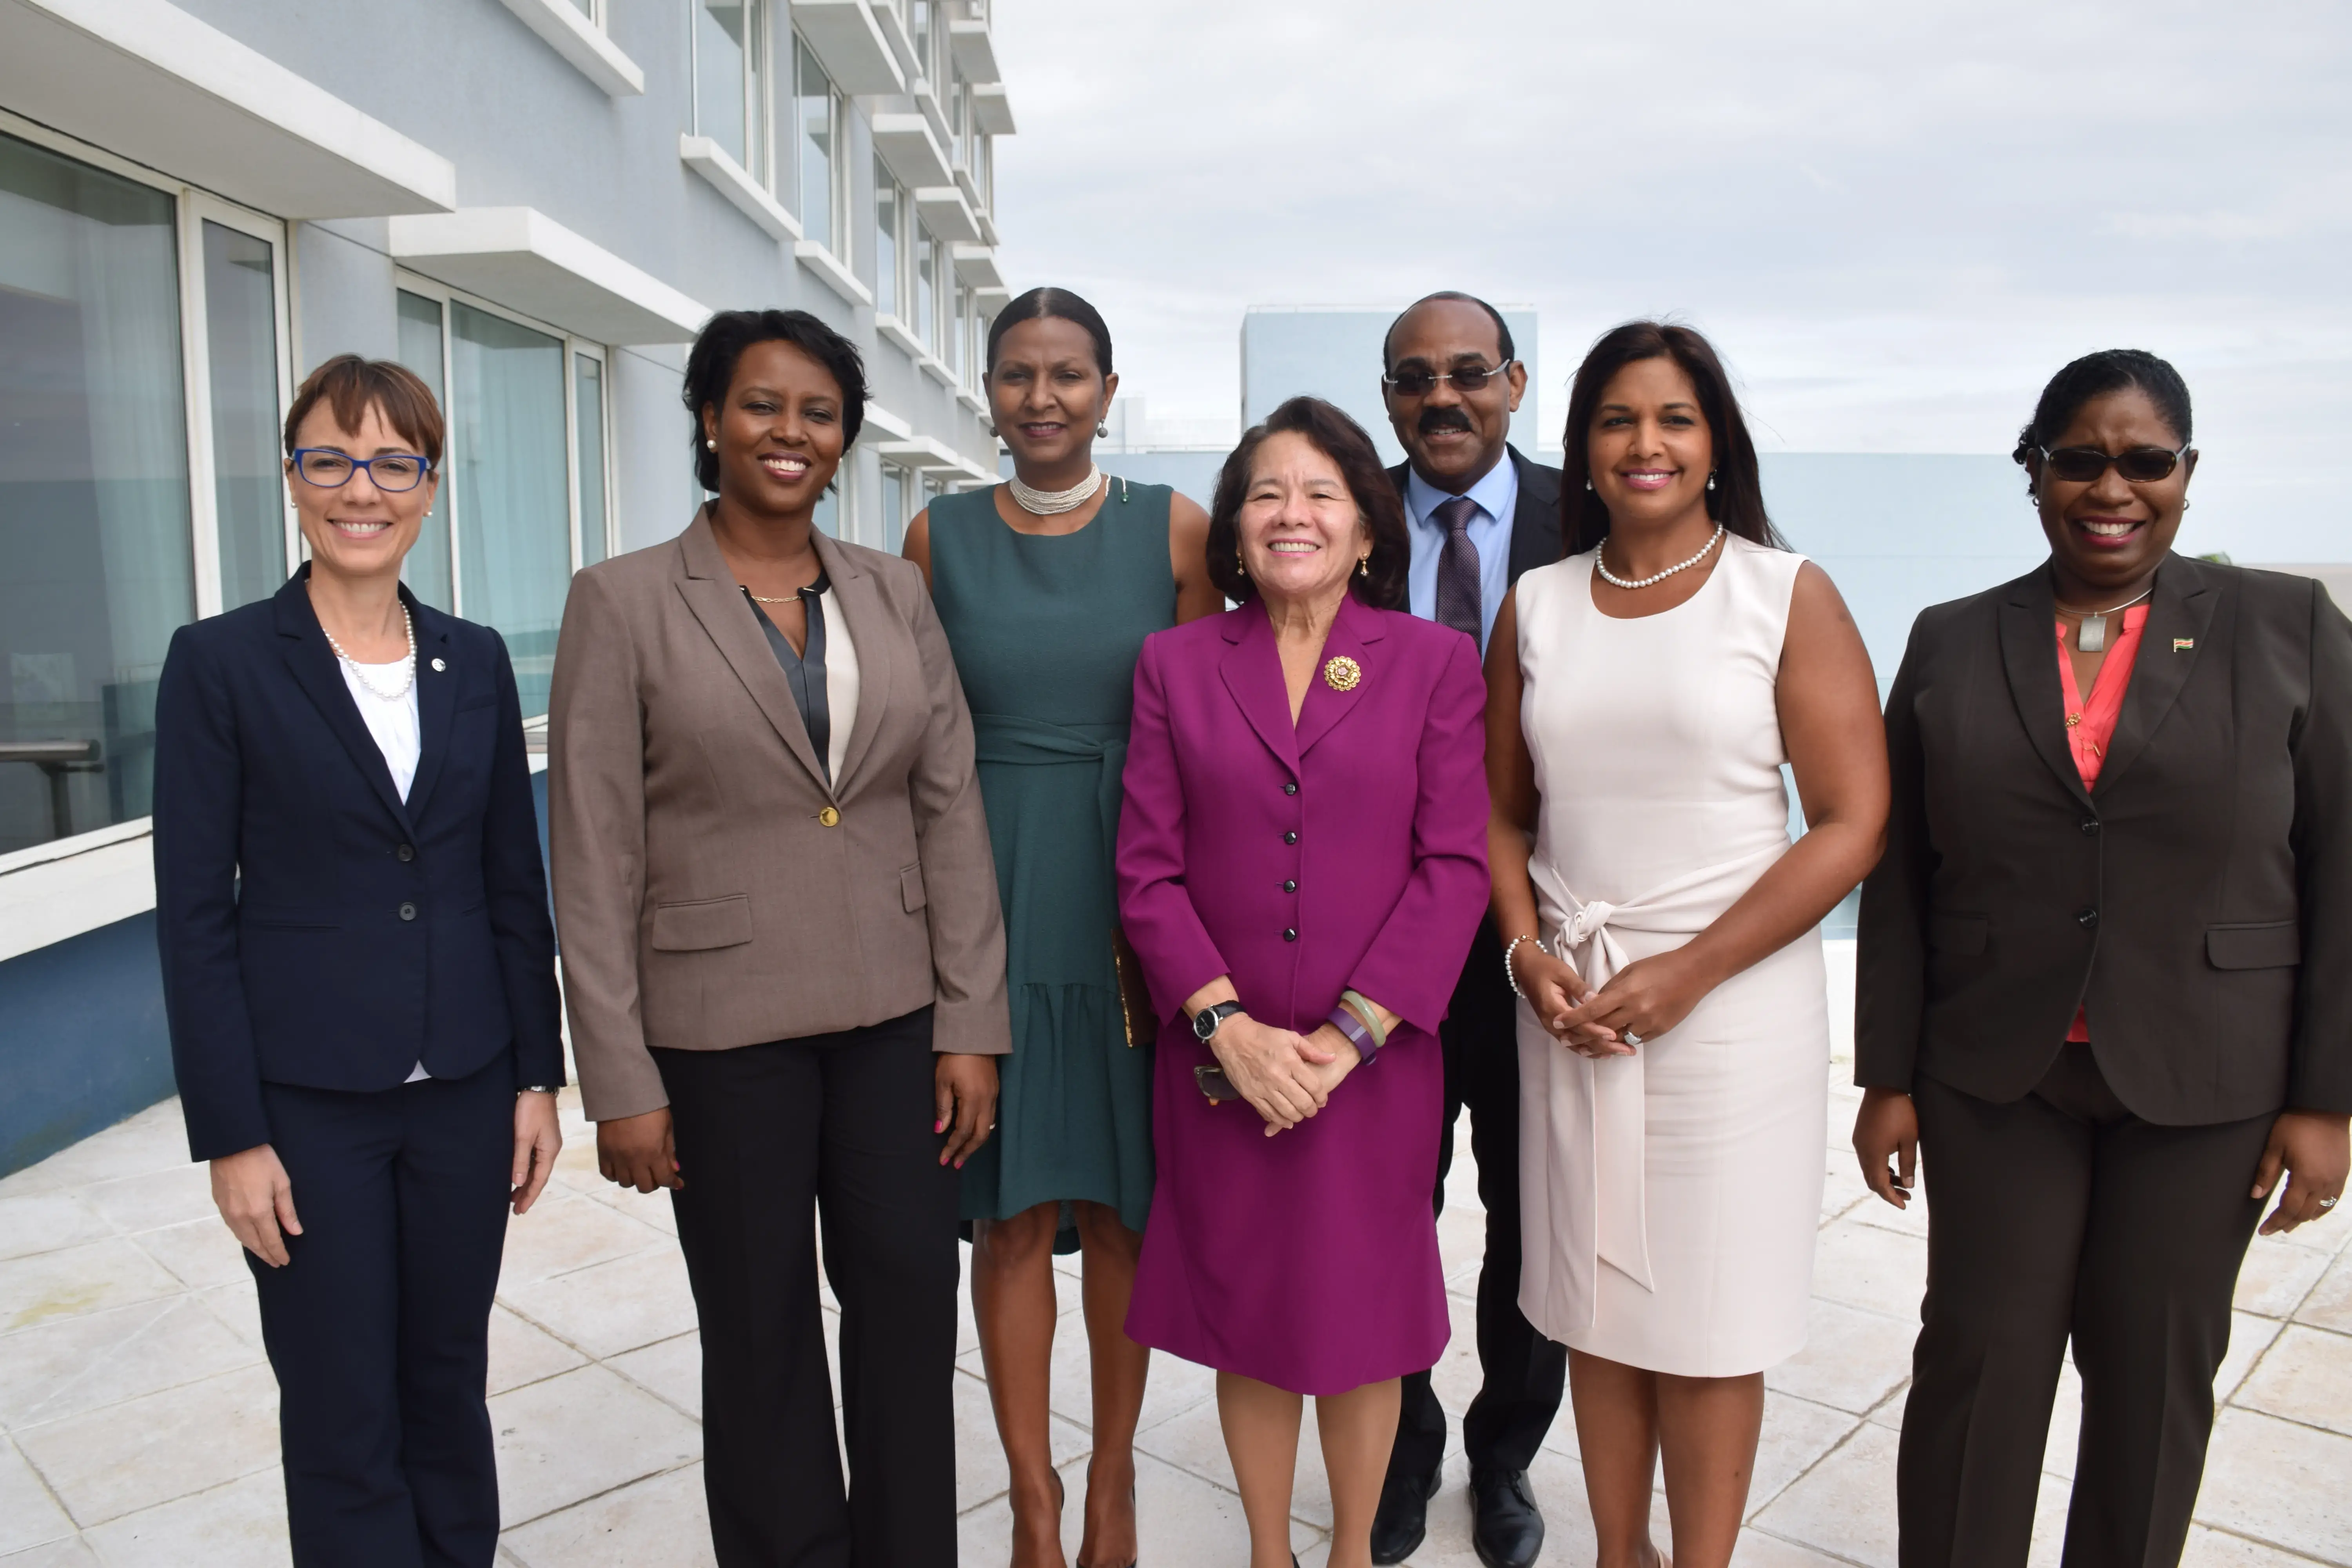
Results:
1458 568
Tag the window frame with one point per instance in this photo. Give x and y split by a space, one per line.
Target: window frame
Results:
405 281
192 207
758 95
841 209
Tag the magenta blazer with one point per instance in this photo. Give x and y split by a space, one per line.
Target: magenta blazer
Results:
1349 851
1300 863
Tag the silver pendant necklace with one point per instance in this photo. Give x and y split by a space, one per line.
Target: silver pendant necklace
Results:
1051 503
1601 563
2091 636
408 675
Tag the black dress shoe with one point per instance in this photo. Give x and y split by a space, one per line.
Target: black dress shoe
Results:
1506 1529
1401 1520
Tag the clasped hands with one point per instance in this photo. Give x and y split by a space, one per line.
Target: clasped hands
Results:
1641 1001
1287 1077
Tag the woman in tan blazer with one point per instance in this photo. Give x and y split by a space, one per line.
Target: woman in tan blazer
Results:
782 952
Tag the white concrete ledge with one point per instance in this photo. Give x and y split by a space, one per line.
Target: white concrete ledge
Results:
525 260
925 452
847 40
727 177
972 400
937 369
945 213
582 43
900 334
992 299
974 53
150 82
828 267
108 880
907 148
992 112
880 418
976 265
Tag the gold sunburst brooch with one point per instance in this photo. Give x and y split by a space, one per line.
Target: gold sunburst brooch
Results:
1341 673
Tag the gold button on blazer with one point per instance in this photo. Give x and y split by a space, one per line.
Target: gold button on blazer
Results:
711 889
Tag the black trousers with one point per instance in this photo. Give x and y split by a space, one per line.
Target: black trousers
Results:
2059 1215
378 1327
1521 1374
768 1137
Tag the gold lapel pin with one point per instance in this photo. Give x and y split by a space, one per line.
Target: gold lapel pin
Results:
1341 673
2183 645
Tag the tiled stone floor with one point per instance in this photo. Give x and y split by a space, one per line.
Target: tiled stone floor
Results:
140 1419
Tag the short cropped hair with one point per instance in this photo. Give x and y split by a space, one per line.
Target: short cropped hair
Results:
1329 431
1502 329
711 371
350 385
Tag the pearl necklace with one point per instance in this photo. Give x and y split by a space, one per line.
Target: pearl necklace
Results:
1050 503
408 629
1601 563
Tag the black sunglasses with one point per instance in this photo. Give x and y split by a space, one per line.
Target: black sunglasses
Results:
2083 465
1421 383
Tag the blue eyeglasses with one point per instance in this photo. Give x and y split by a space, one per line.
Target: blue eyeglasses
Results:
329 470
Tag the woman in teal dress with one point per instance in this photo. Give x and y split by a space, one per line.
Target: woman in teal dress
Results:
1046 587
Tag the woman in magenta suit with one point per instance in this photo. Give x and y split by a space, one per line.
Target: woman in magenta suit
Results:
1301 864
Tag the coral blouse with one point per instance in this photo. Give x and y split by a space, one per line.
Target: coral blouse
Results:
2091 724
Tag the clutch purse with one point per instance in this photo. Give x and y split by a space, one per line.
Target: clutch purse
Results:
1214 1084
1134 998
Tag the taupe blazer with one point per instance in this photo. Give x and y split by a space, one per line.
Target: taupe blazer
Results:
711 890
2199 899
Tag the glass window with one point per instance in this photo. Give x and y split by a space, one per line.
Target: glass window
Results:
248 475
95 564
586 8
588 440
926 298
953 351
893 506
513 499
813 118
426 571
983 169
729 100
827 516
887 203
919 32
956 116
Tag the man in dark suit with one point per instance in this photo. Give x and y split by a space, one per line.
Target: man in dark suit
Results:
1481 515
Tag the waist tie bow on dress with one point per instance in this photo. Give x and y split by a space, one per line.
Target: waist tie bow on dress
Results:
1582 1118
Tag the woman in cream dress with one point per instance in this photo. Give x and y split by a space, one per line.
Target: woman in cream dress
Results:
1673 1043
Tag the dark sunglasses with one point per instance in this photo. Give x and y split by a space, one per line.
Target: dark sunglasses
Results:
1421 383
2083 465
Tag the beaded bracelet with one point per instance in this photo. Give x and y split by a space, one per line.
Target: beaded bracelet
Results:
1510 974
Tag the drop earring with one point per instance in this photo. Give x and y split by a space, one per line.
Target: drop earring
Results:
1588 484
1710 480
989 426
1102 428
1364 566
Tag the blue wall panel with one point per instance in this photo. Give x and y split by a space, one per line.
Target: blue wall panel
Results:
83 1045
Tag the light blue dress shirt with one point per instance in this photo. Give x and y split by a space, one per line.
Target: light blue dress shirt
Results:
1497 495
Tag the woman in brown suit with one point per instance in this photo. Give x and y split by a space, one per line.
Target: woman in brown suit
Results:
2106 983
784 957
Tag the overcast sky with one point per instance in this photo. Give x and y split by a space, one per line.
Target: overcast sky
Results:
1895 219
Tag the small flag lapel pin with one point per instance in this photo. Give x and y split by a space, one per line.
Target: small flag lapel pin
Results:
2182 645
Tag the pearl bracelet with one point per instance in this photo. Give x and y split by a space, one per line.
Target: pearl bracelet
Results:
1509 972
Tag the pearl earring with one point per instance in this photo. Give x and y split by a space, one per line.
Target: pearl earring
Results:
1588 484
1710 480
710 442
1363 565
989 426
1102 428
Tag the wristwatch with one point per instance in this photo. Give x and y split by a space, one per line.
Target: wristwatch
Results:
1206 1021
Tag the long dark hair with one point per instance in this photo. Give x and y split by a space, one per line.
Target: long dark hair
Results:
711 371
1738 499
1329 431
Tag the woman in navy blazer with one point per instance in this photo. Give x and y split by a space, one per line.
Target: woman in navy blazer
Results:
359 975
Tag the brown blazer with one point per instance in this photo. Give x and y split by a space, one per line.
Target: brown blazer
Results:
701 898
2199 900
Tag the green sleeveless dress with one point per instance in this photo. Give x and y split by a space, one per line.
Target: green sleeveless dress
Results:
1045 633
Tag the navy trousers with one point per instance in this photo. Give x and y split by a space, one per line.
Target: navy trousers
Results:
379 1327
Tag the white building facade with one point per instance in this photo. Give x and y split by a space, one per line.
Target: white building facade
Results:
535 204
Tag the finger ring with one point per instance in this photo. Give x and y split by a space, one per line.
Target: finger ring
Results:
2327 1202
1630 1036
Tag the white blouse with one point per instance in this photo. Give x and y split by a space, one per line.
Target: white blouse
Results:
394 724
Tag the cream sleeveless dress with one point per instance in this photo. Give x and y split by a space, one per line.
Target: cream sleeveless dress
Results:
1670 1198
